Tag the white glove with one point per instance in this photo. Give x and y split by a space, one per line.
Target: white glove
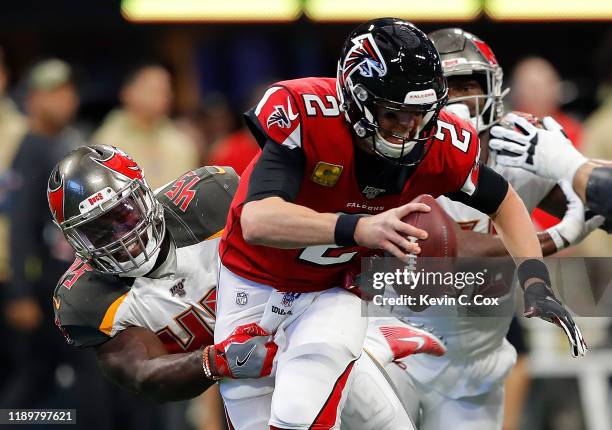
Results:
573 227
546 152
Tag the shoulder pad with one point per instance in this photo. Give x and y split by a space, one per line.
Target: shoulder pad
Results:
82 299
277 117
196 204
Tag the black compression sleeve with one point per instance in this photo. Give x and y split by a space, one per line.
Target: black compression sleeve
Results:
278 172
490 192
599 191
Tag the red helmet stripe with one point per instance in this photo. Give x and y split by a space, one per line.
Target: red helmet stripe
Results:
486 51
123 164
56 202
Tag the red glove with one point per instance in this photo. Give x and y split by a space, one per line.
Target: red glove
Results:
247 353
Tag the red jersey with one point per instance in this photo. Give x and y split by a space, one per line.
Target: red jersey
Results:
304 114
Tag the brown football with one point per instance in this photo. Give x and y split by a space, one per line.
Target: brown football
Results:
442 240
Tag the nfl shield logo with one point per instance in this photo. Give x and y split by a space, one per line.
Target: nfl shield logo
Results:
241 298
288 298
372 192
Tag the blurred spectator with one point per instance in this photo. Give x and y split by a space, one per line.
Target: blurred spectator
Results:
237 150
536 89
38 253
143 129
219 119
209 125
13 126
598 140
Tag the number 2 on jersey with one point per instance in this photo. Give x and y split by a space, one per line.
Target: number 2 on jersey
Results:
315 106
446 129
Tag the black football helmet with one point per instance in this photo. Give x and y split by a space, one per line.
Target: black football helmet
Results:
101 201
463 56
390 65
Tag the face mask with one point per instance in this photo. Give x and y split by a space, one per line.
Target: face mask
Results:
145 265
392 150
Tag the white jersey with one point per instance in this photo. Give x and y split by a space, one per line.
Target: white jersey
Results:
179 308
531 189
177 302
478 355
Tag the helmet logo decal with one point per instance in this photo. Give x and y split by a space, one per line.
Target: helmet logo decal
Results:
453 62
486 51
56 201
365 57
95 199
121 163
427 96
281 117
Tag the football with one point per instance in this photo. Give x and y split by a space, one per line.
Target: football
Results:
442 240
437 252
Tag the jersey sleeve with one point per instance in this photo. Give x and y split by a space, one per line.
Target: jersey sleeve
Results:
85 303
197 203
276 118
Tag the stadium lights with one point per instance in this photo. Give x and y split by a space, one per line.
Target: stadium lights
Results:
548 10
211 10
418 10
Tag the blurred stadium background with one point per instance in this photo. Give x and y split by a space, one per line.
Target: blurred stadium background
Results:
219 55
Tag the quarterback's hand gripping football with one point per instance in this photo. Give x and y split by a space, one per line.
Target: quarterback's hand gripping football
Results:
388 232
546 151
247 353
540 301
573 228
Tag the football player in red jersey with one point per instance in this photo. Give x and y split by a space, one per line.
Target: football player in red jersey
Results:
341 160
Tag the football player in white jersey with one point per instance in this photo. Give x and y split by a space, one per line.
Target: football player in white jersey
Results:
142 287
142 290
464 388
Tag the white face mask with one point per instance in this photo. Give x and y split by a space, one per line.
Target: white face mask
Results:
396 150
392 150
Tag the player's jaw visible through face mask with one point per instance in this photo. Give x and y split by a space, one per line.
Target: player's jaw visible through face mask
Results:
396 132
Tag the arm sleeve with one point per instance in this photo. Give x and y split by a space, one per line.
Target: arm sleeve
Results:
277 173
490 191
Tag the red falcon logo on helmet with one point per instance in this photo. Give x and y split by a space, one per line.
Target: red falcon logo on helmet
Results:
122 163
365 57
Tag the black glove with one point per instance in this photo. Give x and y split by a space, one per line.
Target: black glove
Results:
540 301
